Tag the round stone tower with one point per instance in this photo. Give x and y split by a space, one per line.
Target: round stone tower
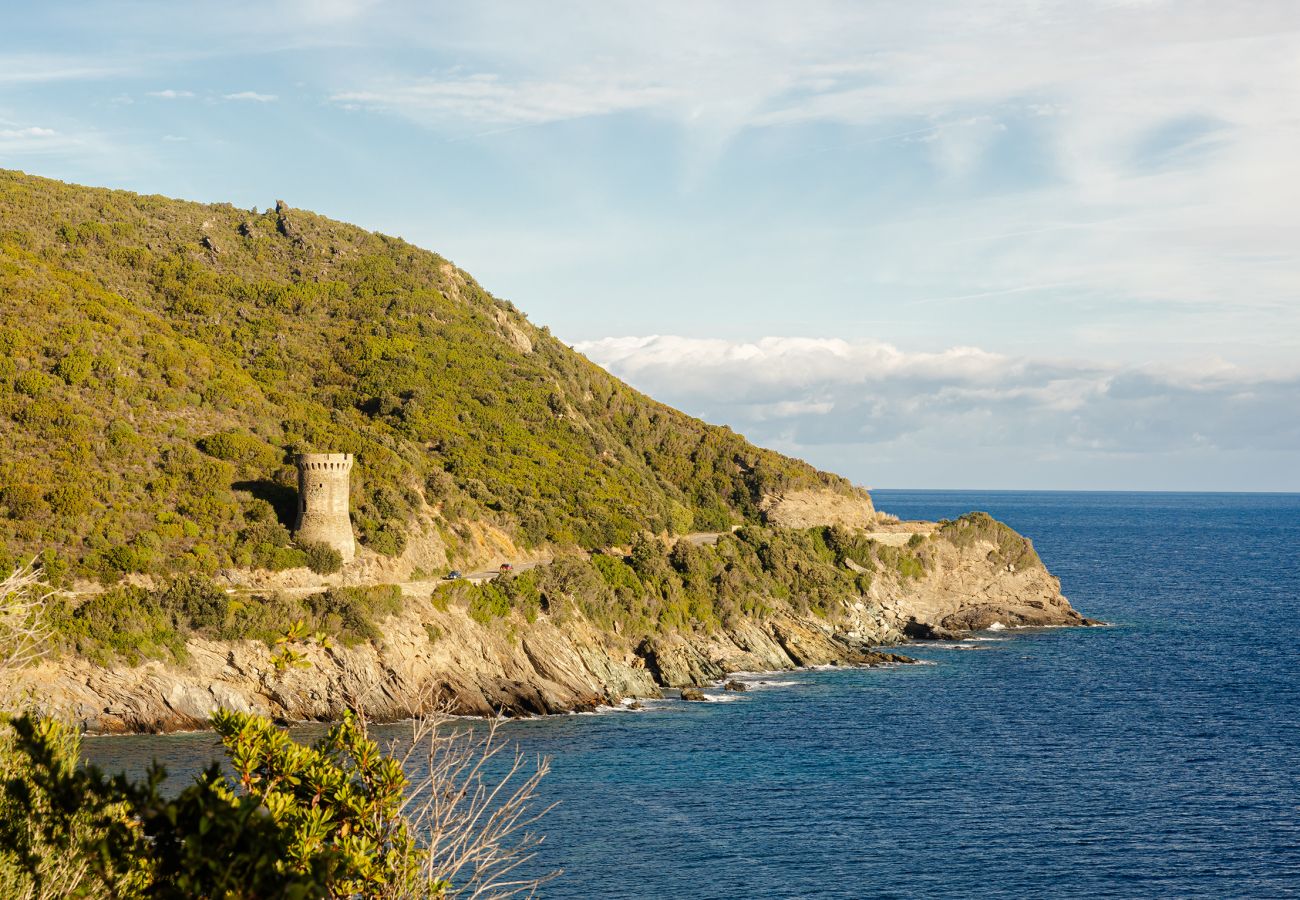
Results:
323 501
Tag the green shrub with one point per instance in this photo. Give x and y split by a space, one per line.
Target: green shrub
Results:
124 622
262 618
321 557
75 367
241 448
1009 547
488 602
353 614
195 602
292 821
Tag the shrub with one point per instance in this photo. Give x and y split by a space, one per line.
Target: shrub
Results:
75 367
352 614
321 557
241 448
1009 546
338 818
488 602
125 622
262 618
195 602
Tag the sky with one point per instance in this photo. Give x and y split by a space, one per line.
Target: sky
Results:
1012 244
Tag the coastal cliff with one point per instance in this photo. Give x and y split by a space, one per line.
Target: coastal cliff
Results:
168 368
561 661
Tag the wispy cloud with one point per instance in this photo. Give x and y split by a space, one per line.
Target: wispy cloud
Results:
251 96
489 99
172 94
18 141
35 68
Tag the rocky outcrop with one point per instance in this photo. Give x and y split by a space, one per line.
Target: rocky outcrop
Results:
805 509
558 663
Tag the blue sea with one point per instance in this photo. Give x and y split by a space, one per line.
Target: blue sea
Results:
1158 757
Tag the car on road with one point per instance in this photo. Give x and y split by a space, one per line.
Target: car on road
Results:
453 575
505 567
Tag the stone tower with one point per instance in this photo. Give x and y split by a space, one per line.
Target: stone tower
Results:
323 501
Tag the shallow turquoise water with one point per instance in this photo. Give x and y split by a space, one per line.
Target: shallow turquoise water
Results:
1155 758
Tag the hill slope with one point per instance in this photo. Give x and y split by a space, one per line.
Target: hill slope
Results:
161 361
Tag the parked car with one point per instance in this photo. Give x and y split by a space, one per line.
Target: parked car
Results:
453 575
506 567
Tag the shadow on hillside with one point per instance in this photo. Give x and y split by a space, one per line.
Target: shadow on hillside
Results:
284 500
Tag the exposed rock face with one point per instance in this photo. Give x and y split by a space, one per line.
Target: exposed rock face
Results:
559 663
804 509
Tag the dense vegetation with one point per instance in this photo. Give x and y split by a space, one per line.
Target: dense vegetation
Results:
160 362
751 573
129 623
654 589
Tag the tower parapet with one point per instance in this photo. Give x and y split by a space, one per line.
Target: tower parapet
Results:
323 491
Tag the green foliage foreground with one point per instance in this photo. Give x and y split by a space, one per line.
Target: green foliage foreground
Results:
292 821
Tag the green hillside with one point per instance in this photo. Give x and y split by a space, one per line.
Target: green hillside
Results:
160 362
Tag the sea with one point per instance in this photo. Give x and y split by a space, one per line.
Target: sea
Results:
1156 757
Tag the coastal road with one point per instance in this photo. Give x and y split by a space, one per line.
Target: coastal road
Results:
493 574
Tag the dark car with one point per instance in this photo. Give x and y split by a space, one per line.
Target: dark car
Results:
453 575
506 567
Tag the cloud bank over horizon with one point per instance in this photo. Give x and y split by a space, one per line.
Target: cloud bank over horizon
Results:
966 417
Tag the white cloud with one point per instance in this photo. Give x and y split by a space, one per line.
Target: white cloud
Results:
252 96
172 94
17 141
875 410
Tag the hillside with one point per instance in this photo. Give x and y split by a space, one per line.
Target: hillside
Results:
160 364
161 361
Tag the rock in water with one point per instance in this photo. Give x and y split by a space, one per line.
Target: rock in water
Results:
734 685
695 694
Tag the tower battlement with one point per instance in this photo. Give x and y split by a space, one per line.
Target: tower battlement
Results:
323 494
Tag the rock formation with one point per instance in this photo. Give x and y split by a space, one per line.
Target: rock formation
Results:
558 663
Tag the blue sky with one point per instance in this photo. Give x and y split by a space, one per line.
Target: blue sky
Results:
954 244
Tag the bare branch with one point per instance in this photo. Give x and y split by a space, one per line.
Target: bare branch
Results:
24 632
474 822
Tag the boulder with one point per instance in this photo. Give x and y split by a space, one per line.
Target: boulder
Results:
734 685
694 694
927 631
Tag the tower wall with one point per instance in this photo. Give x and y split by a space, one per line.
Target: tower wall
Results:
323 490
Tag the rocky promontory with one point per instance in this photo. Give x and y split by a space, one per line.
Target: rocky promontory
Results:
561 661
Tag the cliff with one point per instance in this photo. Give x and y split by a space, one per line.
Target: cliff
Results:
560 661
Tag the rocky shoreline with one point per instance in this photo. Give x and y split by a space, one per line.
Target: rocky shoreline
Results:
558 663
